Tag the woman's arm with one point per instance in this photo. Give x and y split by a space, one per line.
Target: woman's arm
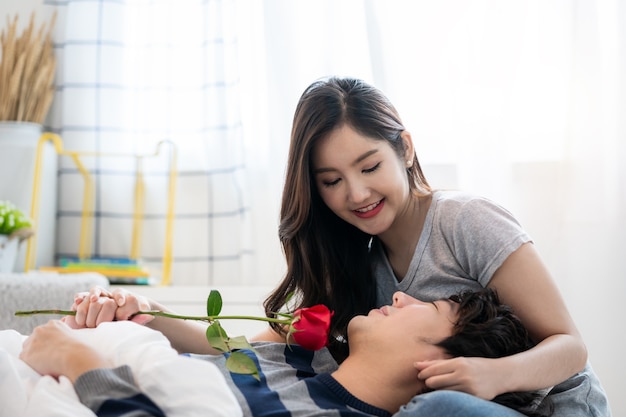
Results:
524 283
186 336
100 305
268 335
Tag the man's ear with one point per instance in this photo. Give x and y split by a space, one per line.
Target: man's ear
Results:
409 152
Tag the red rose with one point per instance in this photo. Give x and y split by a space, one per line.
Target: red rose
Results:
309 326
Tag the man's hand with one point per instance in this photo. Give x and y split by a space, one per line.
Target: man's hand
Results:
55 349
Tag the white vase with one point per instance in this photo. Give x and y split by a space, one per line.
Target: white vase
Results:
8 253
18 148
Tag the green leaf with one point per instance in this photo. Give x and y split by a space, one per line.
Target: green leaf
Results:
239 342
12 218
214 303
217 337
9 224
240 363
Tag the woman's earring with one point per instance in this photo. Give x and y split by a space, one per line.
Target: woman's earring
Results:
409 163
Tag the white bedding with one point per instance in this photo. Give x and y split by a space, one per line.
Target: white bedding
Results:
180 385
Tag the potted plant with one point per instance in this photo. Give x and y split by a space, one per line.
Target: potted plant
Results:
27 88
15 227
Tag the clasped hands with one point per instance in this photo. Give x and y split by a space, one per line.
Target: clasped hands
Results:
100 305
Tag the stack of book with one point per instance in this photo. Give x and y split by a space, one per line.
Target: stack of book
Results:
117 270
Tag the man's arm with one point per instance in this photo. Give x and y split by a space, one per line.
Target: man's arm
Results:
113 392
54 349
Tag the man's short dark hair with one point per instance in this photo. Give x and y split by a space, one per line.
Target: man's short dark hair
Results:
487 328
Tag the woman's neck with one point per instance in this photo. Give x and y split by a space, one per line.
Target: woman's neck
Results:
401 239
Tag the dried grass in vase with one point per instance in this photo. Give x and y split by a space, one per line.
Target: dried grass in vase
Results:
27 67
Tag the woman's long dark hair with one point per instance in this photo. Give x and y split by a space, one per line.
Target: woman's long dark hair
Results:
486 328
327 258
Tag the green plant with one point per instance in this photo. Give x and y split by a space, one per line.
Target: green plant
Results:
14 221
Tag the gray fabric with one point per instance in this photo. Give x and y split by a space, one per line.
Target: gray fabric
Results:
288 378
449 259
581 396
453 404
39 290
279 376
99 385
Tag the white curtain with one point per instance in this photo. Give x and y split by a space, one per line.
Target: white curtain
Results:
520 101
130 75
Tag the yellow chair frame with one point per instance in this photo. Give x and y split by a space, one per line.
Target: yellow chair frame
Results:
86 229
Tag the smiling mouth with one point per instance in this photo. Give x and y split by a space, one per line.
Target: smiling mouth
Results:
368 208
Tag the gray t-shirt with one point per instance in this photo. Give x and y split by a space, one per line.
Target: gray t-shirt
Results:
464 241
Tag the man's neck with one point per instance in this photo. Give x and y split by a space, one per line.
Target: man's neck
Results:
383 387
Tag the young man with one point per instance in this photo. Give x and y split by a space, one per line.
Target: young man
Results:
376 379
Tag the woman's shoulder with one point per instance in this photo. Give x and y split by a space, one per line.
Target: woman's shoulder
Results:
461 206
458 200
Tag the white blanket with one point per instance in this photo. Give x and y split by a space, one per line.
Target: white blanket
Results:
180 385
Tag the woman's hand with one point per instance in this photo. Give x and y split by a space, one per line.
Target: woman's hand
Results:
100 305
476 376
55 349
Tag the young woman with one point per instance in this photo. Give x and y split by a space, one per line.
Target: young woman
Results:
359 221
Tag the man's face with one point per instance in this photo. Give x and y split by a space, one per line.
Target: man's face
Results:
413 325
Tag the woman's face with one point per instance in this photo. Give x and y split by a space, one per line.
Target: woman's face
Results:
361 179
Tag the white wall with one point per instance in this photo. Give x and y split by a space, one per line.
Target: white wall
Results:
23 8
595 303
